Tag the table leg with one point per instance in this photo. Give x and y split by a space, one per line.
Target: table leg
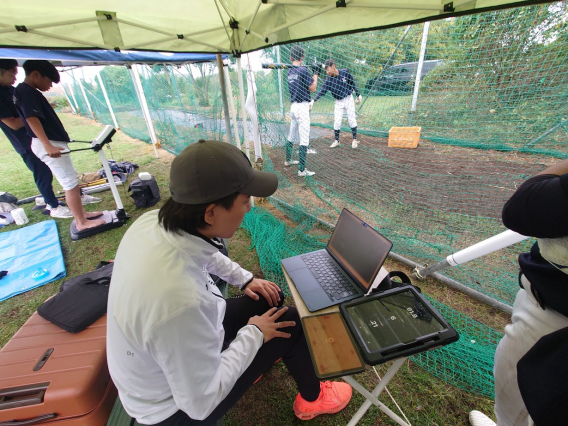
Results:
372 397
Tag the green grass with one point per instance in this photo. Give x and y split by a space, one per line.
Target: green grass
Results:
425 399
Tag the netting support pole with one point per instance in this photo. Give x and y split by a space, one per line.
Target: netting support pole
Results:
548 132
494 243
144 106
232 105
107 100
243 106
77 109
79 82
280 82
68 99
436 275
224 97
419 71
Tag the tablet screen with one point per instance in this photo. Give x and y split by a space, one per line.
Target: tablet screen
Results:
398 318
332 349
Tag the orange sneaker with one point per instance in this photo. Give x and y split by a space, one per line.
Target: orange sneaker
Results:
334 397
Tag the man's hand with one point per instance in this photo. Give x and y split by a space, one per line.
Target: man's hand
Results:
267 288
311 104
53 151
316 69
267 323
358 100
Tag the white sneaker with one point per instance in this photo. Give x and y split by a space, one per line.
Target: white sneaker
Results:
311 151
334 144
477 418
39 201
355 143
290 163
305 173
60 212
89 199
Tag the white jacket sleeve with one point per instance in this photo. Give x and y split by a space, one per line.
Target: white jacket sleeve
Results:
230 271
188 349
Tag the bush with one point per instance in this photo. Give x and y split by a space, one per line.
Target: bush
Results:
59 103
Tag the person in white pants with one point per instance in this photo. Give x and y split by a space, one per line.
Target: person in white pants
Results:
341 84
300 83
531 389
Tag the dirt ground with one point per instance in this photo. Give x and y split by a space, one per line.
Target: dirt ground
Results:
433 176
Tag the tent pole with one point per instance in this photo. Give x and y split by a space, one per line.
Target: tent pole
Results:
68 99
232 105
107 100
73 94
280 82
246 139
85 96
144 106
419 70
224 96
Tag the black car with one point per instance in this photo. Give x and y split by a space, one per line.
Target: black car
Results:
398 78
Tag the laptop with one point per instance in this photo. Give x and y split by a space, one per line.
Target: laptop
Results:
345 269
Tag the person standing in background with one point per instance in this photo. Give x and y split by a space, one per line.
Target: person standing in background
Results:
14 129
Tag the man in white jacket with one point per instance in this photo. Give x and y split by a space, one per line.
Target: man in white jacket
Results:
177 351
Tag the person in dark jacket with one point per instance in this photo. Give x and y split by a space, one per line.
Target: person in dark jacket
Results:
14 129
529 357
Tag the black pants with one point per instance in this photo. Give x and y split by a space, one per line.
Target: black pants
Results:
293 351
42 176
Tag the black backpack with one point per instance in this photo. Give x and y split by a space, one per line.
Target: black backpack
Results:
145 192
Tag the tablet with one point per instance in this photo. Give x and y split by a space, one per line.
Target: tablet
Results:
395 323
332 349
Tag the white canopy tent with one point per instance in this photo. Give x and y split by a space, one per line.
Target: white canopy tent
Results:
214 26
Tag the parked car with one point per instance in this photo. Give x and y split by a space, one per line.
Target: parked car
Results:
398 78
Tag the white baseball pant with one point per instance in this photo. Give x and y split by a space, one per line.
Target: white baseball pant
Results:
300 123
529 323
346 104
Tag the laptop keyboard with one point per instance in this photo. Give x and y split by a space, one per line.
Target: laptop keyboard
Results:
329 275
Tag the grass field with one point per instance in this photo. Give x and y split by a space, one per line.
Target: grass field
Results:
425 399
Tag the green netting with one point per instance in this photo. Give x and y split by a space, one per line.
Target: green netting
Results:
492 108
468 363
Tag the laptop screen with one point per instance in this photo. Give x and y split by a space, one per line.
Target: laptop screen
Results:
359 249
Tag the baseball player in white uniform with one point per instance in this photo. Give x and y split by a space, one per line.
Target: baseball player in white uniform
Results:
341 84
301 81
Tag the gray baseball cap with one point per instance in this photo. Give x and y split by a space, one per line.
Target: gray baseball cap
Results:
207 171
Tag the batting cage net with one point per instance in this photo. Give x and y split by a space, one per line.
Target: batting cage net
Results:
423 131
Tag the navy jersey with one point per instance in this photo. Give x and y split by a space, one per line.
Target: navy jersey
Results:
340 86
19 139
31 103
299 81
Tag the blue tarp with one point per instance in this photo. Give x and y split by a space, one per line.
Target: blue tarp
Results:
104 57
26 254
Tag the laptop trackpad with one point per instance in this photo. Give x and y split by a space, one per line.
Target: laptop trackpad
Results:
304 280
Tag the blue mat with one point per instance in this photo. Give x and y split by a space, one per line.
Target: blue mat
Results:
32 256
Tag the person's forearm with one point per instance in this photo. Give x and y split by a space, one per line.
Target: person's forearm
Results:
14 123
314 85
37 128
559 169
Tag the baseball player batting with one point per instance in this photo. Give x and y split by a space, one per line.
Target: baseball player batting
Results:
341 85
300 83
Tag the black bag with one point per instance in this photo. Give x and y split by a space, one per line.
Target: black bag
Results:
387 283
144 192
104 270
81 301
